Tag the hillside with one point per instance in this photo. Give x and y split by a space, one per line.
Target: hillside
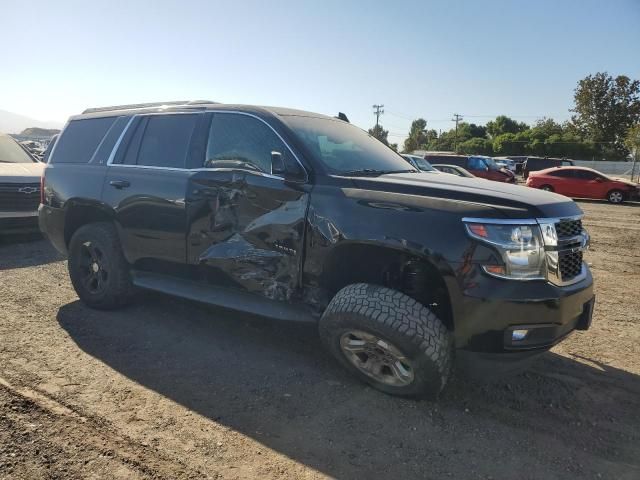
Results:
13 123
39 132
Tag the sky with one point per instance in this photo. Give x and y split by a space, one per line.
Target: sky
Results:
418 58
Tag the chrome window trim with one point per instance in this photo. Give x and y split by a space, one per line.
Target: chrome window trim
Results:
501 221
114 150
200 169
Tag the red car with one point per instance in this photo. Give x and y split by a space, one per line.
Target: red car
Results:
582 182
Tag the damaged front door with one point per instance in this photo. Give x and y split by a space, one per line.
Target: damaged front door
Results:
246 225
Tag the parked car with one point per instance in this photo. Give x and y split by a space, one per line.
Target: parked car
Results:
533 164
305 217
19 187
454 170
506 163
582 182
419 163
480 166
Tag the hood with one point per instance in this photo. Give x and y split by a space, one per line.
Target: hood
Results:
625 181
21 172
511 201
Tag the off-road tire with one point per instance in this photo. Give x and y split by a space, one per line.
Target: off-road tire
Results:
118 289
399 320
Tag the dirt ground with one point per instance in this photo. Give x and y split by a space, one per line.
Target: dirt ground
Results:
171 389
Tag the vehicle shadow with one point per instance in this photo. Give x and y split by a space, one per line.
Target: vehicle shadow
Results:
27 250
273 381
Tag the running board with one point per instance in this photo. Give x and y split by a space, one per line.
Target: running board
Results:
223 297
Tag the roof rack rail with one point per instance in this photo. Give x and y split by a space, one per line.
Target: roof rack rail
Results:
146 105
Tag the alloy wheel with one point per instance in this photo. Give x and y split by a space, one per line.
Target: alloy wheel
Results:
92 264
377 358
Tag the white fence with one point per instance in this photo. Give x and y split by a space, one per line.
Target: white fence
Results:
609 168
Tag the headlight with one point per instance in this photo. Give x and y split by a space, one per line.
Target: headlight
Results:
520 246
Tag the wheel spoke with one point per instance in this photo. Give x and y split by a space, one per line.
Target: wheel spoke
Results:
355 345
377 358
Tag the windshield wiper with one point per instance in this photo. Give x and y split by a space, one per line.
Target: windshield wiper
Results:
365 172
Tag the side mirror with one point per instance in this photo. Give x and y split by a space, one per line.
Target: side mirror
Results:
277 164
599 179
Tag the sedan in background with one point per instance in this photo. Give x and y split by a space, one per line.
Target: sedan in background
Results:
454 170
419 163
582 182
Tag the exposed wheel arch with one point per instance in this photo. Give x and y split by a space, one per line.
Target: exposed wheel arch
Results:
414 276
78 214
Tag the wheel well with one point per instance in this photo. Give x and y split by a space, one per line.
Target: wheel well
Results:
413 276
79 215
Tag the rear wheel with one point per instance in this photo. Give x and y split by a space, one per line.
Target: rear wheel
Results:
98 270
615 196
546 188
388 340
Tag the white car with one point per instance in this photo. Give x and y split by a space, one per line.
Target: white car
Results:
19 187
420 163
506 163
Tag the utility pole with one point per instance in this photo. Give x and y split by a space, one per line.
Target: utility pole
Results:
377 111
456 118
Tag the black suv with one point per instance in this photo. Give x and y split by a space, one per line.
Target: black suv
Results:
304 217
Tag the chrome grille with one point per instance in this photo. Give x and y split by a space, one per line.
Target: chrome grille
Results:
568 228
19 197
570 265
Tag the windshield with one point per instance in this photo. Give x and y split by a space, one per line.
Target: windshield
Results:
344 149
421 163
490 162
11 152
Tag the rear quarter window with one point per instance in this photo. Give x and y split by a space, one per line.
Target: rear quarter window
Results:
81 139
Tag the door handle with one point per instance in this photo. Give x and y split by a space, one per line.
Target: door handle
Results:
119 184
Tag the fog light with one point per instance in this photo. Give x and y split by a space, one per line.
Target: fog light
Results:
519 335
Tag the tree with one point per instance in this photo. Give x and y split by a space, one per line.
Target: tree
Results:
476 146
606 107
632 139
503 124
380 133
508 144
417 136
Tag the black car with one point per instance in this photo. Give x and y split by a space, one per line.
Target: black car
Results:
304 217
533 164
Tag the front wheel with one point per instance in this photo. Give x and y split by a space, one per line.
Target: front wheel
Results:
388 340
615 196
546 188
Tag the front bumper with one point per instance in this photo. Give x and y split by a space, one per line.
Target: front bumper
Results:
18 222
493 308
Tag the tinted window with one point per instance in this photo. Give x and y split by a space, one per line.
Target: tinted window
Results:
585 175
341 148
108 142
80 140
11 152
561 173
476 163
241 141
166 140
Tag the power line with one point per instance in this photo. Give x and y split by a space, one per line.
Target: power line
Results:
377 111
